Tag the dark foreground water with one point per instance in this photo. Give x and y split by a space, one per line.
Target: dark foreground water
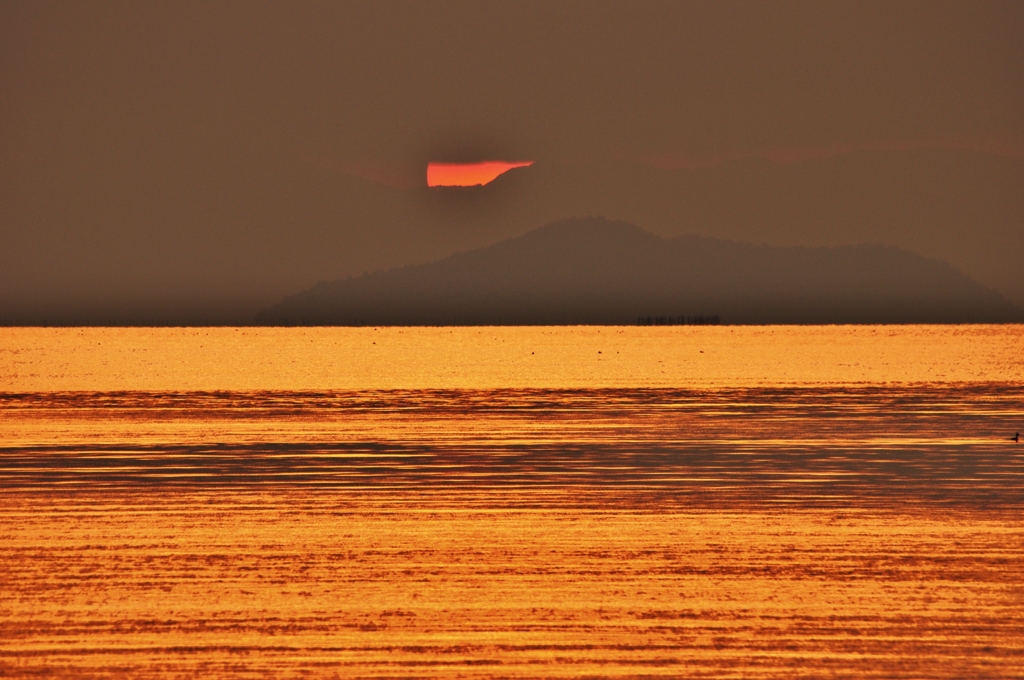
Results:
872 531
886 447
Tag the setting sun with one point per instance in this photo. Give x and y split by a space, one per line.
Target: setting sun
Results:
468 174
729 385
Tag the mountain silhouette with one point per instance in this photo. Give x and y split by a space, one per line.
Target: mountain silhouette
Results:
960 206
599 271
218 245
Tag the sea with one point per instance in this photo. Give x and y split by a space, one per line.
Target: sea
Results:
512 502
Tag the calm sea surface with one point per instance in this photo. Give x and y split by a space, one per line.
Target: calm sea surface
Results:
512 502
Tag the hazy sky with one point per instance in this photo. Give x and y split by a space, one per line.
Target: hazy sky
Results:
389 85
116 109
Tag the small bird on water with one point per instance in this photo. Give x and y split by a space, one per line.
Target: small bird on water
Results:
1016 437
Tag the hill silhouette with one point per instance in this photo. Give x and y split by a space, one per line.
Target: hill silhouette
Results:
219 245
960 206
599 271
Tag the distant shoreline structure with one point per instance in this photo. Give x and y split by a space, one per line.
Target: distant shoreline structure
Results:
681 320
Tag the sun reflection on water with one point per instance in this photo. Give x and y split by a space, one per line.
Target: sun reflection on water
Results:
771 515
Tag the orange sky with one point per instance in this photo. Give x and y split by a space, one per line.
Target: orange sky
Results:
468 174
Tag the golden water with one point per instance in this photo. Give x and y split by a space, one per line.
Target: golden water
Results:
512 502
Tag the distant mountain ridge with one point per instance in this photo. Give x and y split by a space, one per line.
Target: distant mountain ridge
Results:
598 271
216 246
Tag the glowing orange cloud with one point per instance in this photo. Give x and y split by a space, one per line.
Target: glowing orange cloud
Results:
468 174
